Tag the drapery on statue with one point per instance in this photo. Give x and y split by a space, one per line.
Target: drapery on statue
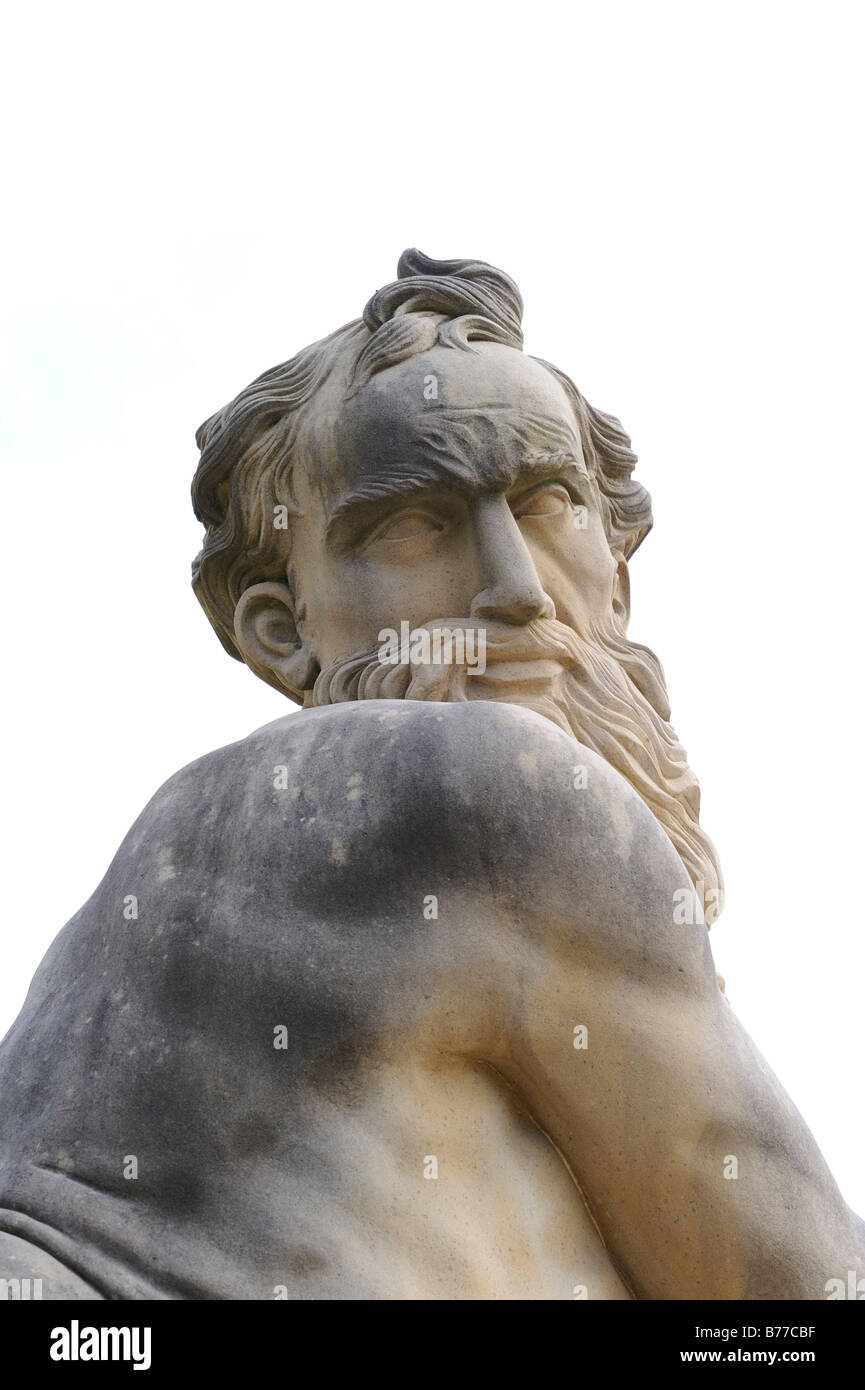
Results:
410 995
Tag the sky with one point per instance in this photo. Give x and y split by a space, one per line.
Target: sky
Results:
195 192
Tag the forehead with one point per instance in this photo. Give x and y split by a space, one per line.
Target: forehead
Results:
450 418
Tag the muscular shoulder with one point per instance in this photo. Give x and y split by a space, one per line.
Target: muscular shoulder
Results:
335 804
490 768
471 784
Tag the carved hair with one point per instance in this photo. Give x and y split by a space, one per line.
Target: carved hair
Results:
249 448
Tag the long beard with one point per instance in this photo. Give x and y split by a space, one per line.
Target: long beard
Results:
605 691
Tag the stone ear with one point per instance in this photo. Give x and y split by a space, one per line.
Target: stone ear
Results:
267 636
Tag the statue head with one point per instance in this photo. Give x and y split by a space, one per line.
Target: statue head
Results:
417 473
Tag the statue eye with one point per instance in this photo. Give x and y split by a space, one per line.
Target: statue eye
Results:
408 525
544 501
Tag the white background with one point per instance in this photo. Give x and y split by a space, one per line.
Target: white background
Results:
194 192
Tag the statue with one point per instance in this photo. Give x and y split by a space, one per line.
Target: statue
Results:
409 994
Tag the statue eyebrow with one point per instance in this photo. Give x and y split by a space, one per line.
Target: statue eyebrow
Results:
433 473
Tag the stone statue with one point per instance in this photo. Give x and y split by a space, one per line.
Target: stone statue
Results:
410 994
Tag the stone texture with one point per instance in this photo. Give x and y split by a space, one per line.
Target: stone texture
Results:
410 994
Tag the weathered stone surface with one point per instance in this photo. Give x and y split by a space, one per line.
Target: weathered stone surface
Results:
405 996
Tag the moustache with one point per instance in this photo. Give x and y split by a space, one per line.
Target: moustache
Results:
453 643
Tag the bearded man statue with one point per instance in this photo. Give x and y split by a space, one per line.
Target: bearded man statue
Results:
409 994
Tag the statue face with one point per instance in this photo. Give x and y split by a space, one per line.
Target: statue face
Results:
452 486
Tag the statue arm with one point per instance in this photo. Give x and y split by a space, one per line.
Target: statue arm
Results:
700 1174
699 1171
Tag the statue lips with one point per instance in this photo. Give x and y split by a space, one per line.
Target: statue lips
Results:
530 657
534 675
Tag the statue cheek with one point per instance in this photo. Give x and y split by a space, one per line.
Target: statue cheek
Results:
582 580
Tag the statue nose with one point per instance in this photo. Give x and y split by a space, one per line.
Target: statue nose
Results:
504 605
512 591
